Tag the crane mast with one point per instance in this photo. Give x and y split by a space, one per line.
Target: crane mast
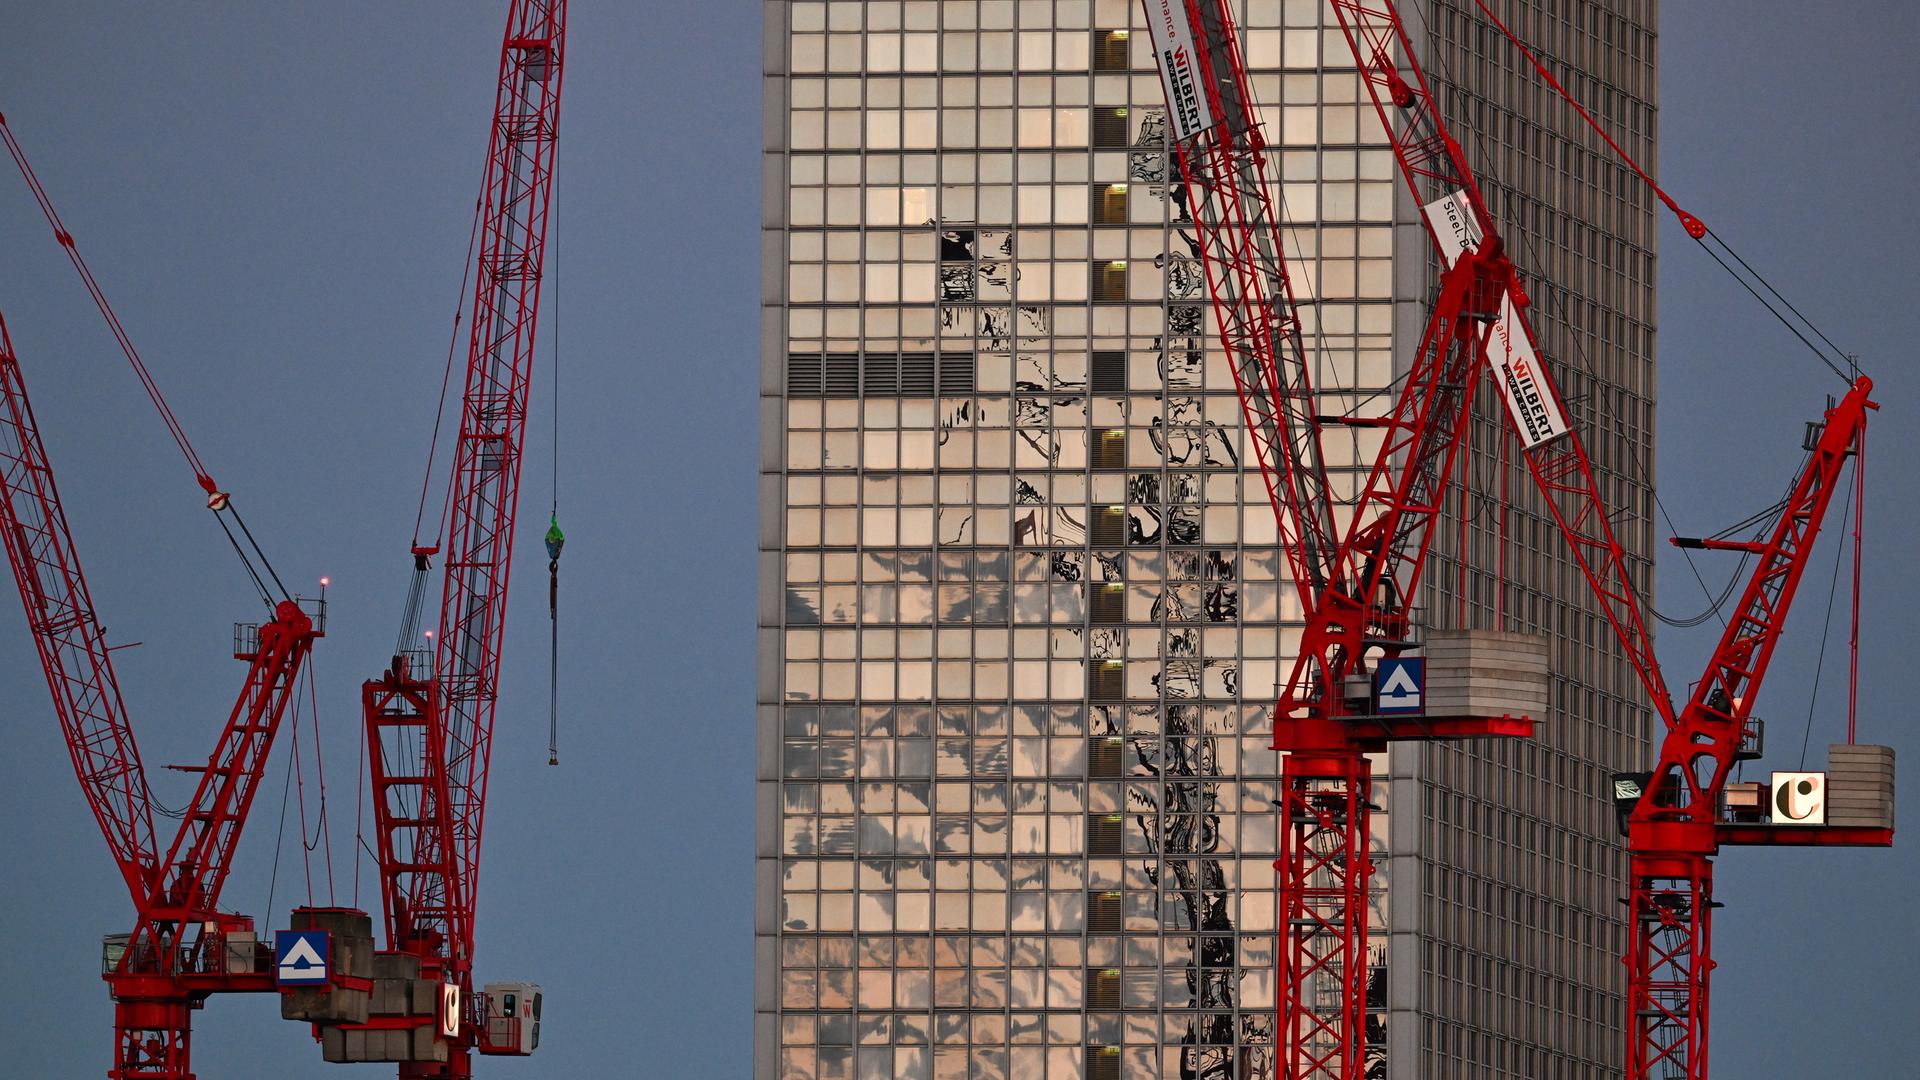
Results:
431 717
1357 592
182 948
1678 822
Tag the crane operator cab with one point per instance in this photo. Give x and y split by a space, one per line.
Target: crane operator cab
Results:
513 1018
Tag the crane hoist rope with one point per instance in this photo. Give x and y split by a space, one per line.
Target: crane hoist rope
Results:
555 539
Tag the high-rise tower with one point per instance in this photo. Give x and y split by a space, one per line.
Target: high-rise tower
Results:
1019 609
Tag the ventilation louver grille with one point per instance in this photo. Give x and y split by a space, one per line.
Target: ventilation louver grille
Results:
879 374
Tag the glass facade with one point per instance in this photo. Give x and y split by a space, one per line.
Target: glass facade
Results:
1519 929
1021 613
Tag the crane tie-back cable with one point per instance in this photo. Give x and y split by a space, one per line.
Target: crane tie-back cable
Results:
218 501
1775 312
1695 228
119 332
446 380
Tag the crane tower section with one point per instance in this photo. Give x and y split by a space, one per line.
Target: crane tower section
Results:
1356 593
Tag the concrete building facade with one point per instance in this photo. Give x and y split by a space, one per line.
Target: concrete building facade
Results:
1021 612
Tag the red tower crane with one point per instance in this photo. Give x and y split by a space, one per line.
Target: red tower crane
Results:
1680 816
1680 820
430 716
1356 591
182 948
1355 600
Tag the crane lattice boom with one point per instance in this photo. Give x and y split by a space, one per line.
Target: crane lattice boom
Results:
182 948
1678 824
73 647
431 716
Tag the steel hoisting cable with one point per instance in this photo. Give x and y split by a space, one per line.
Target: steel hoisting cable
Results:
259 585
1848 357
555 539
119 332
359 810
553 240
1545 297
279 835
218 501
1756 517
234 512
1826 625
1859 523
320 771
1695 228
300 788
1715 604
446 380
1775 312
1763 518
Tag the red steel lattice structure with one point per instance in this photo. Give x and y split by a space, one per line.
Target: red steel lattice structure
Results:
1676 826
1356 594
180 951
1434 168
1357 599
1678 823
73 653
433 731
1671 893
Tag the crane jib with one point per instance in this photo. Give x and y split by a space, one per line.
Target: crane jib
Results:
1522 378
